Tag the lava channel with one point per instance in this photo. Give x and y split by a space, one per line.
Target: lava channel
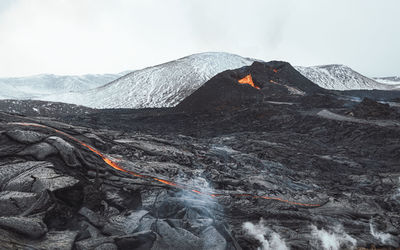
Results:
116 166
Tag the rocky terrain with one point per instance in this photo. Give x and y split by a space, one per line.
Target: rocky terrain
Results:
258 157
42 108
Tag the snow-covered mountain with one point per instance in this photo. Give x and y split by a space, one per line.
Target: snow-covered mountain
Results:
163 85
341 77
167 84
39 86
391 80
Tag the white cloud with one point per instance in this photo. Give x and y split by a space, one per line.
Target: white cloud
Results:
89 36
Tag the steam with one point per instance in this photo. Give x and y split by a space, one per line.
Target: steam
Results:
334 239
273 240
384 238
194 199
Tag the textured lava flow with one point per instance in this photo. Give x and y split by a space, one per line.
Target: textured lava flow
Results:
115 165
248 80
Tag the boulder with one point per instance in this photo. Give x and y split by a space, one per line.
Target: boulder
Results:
31 227
40 151
174 238
26 136
14 203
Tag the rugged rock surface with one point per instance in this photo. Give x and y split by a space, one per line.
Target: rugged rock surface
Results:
288 170
371 109
41 108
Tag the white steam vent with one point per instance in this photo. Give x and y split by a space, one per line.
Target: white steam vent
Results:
269 239
384 238
334 239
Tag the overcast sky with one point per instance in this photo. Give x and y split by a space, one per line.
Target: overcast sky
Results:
106 36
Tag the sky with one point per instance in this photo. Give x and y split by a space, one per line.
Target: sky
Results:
110 36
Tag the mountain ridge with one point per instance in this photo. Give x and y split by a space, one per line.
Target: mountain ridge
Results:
38 86
340 77
165 84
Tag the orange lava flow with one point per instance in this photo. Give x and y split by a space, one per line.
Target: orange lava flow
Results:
115 165
248 80
275 70
272 81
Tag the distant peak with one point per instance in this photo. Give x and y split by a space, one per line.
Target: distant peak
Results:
333 66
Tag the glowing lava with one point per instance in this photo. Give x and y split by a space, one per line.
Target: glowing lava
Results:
248 80
115 166
272 81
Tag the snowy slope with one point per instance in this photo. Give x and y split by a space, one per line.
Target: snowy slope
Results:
391 80
163 85
41 85
340 77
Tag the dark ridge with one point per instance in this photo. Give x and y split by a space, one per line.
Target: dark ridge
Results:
223 91
369 108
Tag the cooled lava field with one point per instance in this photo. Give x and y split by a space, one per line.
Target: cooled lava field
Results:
257 158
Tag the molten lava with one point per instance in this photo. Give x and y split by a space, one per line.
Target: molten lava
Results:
115 166
248 80
272 81
275 70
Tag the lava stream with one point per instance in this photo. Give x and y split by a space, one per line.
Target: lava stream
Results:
115 165
248 80
272 81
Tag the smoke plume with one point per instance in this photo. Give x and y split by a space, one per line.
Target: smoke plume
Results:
334 239
269 239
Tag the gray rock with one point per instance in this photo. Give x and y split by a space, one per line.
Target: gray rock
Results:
92 217
146 223
57 240
121 225
39 178
133 221
66 150
141 241
53 240
115 225
212 239
93 231
107 246
9 147
91 243
31 227
13 203
121 198
174 238
40 151
26 136
12 171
